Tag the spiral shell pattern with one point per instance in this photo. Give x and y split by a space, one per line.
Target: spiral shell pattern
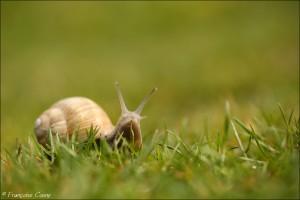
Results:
75 114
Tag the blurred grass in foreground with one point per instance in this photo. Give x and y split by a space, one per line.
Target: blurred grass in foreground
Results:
260 162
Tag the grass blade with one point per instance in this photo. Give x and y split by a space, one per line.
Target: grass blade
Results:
238 139
226 123
283 116
179 140
257 141
253 134
289 135
52 146
249 144
290 118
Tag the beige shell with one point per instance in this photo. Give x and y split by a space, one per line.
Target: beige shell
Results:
70 115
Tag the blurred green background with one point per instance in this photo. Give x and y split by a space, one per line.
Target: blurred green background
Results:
199 54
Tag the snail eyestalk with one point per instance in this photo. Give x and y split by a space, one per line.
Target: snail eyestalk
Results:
141 106
122 103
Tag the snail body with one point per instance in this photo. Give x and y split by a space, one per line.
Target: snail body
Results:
78 114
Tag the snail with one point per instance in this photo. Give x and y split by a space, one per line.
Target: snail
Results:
72 114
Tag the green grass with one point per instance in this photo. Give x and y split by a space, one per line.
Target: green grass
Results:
220 69
258 160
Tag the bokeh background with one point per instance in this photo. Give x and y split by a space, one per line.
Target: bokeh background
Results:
199 55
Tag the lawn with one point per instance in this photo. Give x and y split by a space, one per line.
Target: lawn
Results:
224 122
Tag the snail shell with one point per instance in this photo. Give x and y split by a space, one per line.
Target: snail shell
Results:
78 114
70 115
